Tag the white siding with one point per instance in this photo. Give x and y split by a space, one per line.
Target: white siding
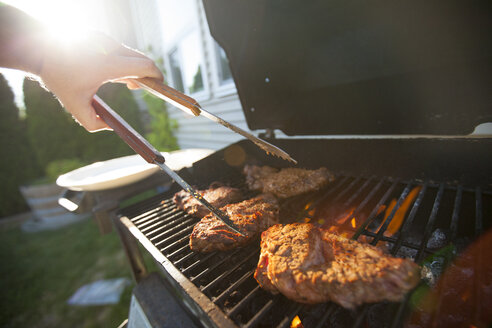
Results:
168 22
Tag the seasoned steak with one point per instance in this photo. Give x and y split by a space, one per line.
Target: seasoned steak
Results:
287 182
310 265
251 216
217 195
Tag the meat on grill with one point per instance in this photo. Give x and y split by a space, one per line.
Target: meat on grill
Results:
286 182
217 195
310 265
251 216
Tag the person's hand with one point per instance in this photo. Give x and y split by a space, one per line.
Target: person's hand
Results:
74 72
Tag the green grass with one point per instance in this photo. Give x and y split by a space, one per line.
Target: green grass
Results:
40 271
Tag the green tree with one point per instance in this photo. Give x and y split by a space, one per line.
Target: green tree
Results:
56 136
162 127
17 164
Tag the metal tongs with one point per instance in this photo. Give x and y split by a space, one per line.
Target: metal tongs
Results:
191 106
142 147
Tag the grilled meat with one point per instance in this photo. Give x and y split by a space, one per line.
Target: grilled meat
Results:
286 182
310 265
217 195
251 216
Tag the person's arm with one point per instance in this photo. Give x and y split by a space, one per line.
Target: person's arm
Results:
21 39
73 72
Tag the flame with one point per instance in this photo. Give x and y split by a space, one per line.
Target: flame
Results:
296 323
341 220
400 213
353 223
308 205
307 220
381 209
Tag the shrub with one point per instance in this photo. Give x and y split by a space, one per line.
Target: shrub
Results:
62 166
56 136
17 164
162 127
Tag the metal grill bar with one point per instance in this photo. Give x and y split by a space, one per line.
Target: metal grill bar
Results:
170 231
179 250
145 215
155 215
291 314
215 265
430 224
366 199
372 215
164 224
329 192
157 224
456 212
228 272
182 232
408 222
386 223
177 242
329 311
184 258
264 310
399 312
232 312
234 286
357 192
198 262
340 195
478 260
168 227
478 212
361 316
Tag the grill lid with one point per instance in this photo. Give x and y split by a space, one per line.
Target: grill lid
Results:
358 67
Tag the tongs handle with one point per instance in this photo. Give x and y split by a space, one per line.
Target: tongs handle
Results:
126 132
175 97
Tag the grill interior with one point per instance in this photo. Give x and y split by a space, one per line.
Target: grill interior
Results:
441 221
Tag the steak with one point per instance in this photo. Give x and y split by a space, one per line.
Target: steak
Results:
311 265
217 195
251 217
286 182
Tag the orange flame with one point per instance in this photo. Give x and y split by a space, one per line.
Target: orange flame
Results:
296 323
353 223
381 208
400 213
341 220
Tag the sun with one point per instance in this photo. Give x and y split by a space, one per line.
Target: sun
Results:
66 20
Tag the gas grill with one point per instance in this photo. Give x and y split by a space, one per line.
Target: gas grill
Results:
324 68
219 287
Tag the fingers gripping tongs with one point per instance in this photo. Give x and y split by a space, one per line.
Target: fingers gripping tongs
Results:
142 147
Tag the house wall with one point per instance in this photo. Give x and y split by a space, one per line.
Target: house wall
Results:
180 29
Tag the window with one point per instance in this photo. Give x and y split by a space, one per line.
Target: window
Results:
186 65
223 69
176 70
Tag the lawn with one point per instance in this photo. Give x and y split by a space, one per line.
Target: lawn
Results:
40 271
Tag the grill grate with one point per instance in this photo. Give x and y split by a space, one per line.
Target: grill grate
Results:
439 215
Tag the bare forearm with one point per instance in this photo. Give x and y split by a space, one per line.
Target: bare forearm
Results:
21 40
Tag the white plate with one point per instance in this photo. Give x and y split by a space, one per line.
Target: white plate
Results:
125 170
